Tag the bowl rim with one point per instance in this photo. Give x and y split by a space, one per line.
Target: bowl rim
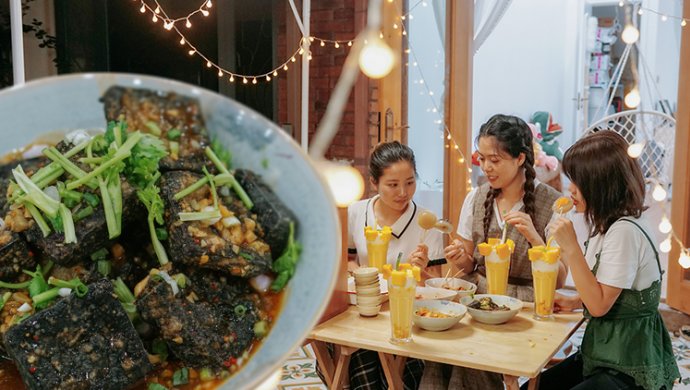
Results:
135 80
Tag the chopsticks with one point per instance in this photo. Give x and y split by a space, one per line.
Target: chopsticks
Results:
445 280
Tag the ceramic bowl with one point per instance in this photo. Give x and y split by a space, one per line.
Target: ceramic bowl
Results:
462 287
496 316
72 102
425 293
455 312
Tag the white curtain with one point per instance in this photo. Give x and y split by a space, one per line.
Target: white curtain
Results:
487 14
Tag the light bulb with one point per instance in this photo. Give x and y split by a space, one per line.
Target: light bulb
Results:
630 34
181 41
142 9
208 64
220 73
285 67
158 10
209 4
268 78
254 81
293 59
665 245
244 81
640 12
632 99
345 182
349 43
635 150
659 193
462 160
621 3
154 19
665 225
336 45
191 52
204 12
188 24
376 59
323 43
275 73
664 18
684 260
232 78
683 23
168 25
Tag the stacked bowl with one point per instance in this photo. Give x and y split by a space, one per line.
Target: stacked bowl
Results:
368 289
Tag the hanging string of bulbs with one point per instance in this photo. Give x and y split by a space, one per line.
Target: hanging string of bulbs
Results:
630 35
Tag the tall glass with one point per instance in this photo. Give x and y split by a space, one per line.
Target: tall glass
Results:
544 276
377 245
497 263
401 294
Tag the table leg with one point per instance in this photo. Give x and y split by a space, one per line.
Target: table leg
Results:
533 383
511 382
324 361
341 376
334 370
393 369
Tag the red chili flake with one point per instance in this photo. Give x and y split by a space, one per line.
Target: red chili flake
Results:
31 254
32 370
197 241
35 337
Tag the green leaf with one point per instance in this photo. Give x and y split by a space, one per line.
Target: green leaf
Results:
181 377
285 265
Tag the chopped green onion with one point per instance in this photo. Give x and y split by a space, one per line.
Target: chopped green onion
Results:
206 375
162 234
104 267
240 310
180 377
199 215
79 288
115 191
160 348
157 246
38 283
91 160
83 213
180 279
15 286
100 254
174 149
45 229
68 225
5 297
56 223
122 291
264 163
55 155
153 128
91 199
214 194
43 299
173 134
156 386
261 329
235 184
110 216
34 194
198 184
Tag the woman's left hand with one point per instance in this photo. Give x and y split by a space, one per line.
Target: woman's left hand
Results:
523 223
420 256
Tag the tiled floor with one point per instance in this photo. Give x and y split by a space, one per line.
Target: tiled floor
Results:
299 372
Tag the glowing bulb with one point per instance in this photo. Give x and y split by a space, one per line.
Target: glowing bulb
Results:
376 59
209 4
220 73
632 99
621 3
208 64
188 24
301 51
275 73
311 39
154 19
244 81
665 225
345 182
683 23
349 43
142 9
635 150
404 32
268 78
411 16
659 193
664 18
323 43
665 245
630 34
254 81
232 78
204 12
191 52
181 41
395 26
157 10
640 12
462 160
293 59
448 136
336 45
684 260
285 67
168 25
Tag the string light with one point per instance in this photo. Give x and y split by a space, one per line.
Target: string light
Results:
684 259
630 34
376 59
665 245
665 225
633 98
664 17
168 22
659 193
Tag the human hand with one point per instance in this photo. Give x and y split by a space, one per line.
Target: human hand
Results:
523 223
420 256
455 252
563 232
566 303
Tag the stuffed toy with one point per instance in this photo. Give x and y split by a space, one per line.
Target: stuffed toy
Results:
548 131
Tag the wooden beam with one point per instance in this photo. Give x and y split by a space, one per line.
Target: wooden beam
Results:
391 86
458 104
294 78
678 293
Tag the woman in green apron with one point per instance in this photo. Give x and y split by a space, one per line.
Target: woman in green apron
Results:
618 278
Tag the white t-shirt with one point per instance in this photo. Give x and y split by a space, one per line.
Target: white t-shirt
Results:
467 213
406 232
627 258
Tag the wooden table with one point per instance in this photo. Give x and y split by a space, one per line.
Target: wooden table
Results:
520 347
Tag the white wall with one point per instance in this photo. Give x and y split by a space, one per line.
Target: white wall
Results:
528 64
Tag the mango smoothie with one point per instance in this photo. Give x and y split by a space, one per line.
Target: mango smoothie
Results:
402 284
497 262
377 245
544 275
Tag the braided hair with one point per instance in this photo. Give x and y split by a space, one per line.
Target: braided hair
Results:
513 137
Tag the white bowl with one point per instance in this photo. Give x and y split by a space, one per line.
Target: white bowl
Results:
72 102
425 293
460 286
455 311
497 316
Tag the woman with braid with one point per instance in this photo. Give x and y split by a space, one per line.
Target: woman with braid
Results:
511 196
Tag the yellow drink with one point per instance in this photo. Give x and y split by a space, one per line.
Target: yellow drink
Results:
377 245
401 293
497 263
544 276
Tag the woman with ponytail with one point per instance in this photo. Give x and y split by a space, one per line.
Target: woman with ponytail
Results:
512 196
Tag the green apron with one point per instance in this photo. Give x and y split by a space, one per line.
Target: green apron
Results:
631 338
